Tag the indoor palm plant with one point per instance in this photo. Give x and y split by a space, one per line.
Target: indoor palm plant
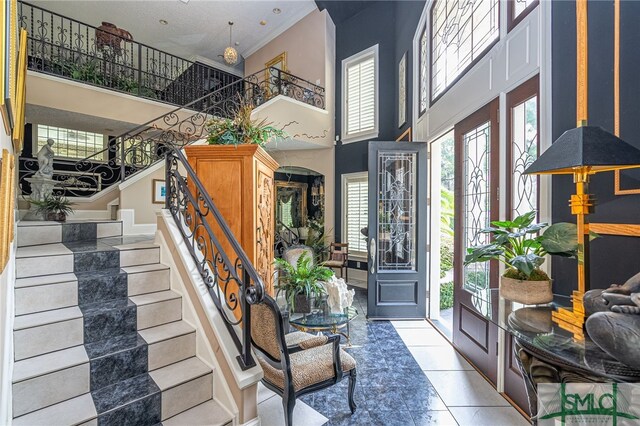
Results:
302 282
54 207
521 246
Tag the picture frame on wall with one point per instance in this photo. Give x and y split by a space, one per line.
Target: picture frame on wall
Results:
402 90
8 62
159 191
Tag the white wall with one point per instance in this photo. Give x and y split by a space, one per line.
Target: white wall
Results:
7 278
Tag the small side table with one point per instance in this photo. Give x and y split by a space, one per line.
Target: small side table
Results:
320 321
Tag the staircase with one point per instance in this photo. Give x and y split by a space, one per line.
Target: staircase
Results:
99 336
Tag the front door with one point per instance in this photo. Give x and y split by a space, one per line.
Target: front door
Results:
397 278
476 195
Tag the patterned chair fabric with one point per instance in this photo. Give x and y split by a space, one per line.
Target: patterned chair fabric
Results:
339 259
297 363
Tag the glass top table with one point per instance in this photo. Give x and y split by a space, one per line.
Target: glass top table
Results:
322 320
533 327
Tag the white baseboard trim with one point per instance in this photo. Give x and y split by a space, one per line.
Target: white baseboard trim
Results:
253 422
80 214
129 225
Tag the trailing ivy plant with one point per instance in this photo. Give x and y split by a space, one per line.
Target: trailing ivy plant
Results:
521 246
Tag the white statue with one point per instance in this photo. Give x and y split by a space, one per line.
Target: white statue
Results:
45 160
338 296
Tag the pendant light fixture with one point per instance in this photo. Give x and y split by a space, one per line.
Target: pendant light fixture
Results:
230 54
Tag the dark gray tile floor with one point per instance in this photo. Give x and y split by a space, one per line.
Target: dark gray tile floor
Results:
391 388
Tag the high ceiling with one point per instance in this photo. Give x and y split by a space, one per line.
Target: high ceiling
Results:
194 27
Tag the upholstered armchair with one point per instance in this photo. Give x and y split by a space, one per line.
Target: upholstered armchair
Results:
339 259
297 363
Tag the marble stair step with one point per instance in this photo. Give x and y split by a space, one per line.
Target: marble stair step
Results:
45 259
184 385
74 411
49 331
101 285
157 308
105 320
140 253
149 278
49 379
169 343
134 401
45 293
209 413
117 358
92 255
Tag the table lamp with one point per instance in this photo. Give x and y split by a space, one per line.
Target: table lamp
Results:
582 152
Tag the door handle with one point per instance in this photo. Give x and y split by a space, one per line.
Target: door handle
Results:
372 253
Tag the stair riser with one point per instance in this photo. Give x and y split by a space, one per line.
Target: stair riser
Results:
148 282
172 350
68 232
100 288
136 257
159 313
120 366
143 412
44 265
47 338
41 298
96 261
43 234
111 323
187 395
42 391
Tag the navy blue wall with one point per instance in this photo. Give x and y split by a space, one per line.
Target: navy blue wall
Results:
391 25
613 259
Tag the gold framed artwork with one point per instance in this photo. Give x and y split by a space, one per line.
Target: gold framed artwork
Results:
159 191
8 65
7 205
291 203
279 62
21 93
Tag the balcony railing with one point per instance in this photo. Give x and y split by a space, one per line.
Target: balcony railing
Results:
108 57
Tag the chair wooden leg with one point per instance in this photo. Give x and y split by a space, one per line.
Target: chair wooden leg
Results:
352 388
288 403
346 274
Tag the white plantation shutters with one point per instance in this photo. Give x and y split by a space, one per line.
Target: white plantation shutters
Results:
360 119
355 219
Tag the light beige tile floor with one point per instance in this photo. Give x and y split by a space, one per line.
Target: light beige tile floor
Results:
271 411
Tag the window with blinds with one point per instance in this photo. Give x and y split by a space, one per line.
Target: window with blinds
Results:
360 109
355 218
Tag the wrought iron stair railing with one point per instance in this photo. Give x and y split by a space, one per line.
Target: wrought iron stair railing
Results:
232 281
284 238
144 145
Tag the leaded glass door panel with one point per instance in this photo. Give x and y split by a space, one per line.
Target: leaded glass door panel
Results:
397 230
477 182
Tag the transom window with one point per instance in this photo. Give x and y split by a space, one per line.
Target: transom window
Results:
71 143
461 32
359 96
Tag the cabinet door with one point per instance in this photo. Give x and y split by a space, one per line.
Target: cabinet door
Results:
265 194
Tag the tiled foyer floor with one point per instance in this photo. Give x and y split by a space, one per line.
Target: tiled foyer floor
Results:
408 374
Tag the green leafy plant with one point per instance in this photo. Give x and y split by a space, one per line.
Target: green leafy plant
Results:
241 129
317 239
56 204
446 296
446 254
519 245
303 278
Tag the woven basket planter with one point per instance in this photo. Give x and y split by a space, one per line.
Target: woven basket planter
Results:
526 292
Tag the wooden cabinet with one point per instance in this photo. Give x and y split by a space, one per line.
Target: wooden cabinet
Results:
240 181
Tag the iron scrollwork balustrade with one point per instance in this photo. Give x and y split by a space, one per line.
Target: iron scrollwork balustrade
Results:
71 49
284 238
286 84
234 285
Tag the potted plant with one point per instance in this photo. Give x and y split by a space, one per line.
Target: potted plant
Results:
54 207
519 244
302 282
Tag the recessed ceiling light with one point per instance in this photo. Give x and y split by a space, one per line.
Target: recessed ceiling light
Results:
277 10
263 22
237 43
164 22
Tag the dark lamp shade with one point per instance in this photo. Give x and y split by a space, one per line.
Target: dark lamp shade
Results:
586 147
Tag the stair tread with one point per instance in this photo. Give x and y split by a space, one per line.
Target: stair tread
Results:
113 345
48 317
109 272
123 392
166 331
180 372
70 412
42 250
145 268
137 246
158 296
45 280
88 246
209 413
49 363
109 305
